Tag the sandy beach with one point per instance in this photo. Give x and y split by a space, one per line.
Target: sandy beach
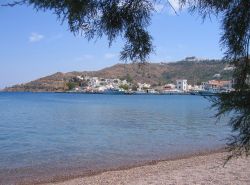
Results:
203 169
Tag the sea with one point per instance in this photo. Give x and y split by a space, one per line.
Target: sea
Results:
48 137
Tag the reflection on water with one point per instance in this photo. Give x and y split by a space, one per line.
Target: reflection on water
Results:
94 131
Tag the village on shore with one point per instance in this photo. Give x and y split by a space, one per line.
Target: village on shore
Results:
95 85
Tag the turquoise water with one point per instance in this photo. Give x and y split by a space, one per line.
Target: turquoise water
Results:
43 134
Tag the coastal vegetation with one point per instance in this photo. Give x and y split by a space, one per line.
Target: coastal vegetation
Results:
124 87
72 85
235 22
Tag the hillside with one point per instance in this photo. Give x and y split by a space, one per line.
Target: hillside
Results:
152 73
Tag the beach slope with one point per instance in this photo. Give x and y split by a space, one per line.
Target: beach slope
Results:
203 169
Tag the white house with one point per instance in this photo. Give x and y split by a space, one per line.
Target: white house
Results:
182 85
143 86
94 82
79 77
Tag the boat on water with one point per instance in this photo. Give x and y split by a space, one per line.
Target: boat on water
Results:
206 93
172 92
114 92
140 92
209 92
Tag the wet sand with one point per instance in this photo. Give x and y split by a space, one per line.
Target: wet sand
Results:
201 169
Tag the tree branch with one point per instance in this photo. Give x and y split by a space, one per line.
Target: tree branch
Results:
21 2
170 4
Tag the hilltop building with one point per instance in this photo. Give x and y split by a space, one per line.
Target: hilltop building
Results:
191 59
194 59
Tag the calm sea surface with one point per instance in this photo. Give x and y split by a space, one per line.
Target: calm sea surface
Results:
49 134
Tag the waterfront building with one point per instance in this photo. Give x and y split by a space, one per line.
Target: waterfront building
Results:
151 91
169 87
218 85
181 84
142 86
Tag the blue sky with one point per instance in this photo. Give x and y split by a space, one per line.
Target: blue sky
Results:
35 44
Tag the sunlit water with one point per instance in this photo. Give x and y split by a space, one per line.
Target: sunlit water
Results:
41 133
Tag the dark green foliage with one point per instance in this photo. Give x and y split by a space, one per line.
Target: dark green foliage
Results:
83 83
78 82
242 73
226 75
237 104
197 72
125 87
134 87
72 85
128 78
235 21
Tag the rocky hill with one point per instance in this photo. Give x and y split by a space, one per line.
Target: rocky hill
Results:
153 73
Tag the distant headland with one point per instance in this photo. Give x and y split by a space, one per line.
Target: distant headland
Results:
154 75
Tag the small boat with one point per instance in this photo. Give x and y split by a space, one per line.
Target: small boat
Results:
140 92
113 91
209 92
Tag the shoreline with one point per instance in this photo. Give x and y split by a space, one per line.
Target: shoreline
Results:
202 168
53 175
58 148
61 176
